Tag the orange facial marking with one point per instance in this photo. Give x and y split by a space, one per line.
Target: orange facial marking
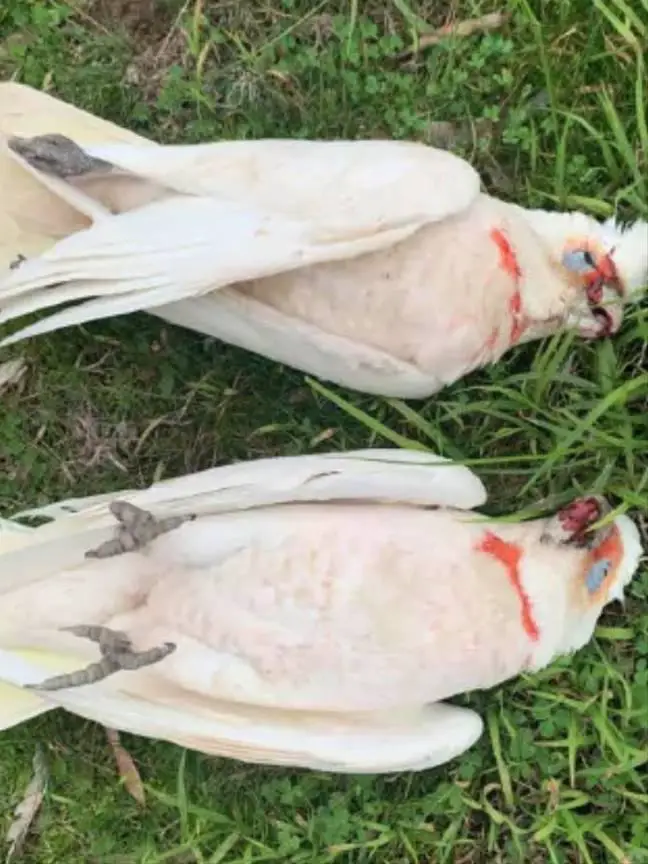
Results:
509 554
606 268
509 263
610 549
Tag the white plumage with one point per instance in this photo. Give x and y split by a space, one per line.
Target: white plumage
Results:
378 265
318 609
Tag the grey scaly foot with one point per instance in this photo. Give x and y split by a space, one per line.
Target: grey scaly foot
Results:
137 528
57 155
118 655
18 260
109 641
81 678
116 645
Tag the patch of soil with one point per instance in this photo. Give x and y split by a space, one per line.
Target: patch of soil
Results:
145 21
151 28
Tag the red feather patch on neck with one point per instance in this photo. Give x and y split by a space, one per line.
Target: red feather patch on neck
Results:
510 265
510 555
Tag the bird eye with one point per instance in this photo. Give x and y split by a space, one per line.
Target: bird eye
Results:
596 575
579 260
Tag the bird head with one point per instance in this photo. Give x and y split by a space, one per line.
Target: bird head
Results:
605 558
609 266
604 264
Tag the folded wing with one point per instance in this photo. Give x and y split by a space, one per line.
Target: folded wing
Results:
218 213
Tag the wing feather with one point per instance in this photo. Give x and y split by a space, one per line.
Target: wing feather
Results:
351 182
348 184
399 476
332 742
403 476
170 250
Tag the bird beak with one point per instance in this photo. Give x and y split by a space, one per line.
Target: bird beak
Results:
598 311
596 315
606 268
605 275
605 295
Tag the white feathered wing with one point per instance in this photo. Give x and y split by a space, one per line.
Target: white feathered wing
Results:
208 216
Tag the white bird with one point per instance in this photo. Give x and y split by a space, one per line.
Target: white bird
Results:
313 611
378 265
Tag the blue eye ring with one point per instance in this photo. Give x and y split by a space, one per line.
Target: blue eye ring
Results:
596 574
579 261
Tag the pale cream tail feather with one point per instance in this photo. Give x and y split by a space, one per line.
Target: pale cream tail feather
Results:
20 665
25 111
18 705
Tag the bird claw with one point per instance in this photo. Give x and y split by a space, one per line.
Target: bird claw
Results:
117 655
137 528
18 260
57 155
109 641
571 524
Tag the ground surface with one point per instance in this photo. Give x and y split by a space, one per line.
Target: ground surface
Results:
560 776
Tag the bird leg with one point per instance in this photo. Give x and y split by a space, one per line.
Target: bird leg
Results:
18 260
81 678
571 524
57 155
117 655
137 528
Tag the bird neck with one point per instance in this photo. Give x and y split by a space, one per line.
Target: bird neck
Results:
547 571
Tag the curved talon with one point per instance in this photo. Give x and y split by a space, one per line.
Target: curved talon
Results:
131 660
118 656
137 528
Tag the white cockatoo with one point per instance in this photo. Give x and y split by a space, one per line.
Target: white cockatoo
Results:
377 265
311 611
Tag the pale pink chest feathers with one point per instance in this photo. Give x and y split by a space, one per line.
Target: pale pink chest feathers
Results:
342 607
448 299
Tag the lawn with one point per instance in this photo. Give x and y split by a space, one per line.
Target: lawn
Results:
550 106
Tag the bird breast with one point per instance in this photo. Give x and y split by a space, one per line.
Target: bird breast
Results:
341 606
439 299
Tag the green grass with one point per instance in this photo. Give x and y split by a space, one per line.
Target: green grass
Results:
560 774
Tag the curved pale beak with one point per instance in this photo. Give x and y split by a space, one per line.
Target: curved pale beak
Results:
602 312
596 320
607 272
